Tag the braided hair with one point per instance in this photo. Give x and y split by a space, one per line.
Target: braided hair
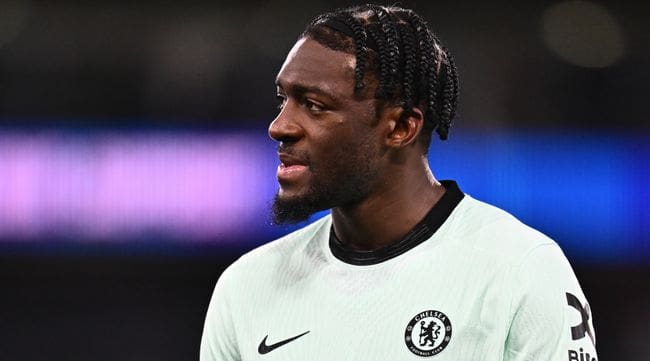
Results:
396 48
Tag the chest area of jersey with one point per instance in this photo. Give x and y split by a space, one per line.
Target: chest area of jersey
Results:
376 317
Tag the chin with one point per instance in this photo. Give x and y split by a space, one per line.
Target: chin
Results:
290 209
297 204
291 193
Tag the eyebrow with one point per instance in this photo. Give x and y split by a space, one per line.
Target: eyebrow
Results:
301 89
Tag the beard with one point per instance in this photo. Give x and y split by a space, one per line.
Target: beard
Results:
332 185
296 209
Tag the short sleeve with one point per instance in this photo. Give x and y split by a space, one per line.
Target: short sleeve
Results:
550 317
218 342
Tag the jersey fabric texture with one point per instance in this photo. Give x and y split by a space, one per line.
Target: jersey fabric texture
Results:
470 282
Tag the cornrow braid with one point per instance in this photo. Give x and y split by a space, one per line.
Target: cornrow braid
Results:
453 73
450 95
450 90
392 47
410 57
396 47
381 92
360 37
418 27
428 66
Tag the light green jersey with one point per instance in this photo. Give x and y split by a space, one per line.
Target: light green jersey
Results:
483 287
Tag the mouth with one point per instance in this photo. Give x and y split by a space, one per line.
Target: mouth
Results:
291 168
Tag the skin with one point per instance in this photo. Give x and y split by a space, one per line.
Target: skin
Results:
369 163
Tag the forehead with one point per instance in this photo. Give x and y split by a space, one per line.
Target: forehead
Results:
310 64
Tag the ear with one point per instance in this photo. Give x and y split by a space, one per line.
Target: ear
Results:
404 127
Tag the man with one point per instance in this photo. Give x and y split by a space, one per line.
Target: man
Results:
405 267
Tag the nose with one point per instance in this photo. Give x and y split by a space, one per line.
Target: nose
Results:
284 128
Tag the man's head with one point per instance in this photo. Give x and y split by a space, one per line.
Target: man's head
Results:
361 92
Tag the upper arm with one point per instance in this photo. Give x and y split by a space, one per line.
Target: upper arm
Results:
551 319
218 342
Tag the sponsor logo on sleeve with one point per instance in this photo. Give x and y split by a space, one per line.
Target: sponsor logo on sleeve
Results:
581 330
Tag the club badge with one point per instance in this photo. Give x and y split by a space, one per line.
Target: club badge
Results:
428 333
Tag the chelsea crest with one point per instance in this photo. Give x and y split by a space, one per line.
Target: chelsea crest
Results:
428 333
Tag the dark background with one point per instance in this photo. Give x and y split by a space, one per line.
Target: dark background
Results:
210 65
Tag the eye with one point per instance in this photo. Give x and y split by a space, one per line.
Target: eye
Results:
281 100
313 107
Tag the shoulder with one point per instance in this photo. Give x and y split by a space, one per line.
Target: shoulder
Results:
287 245
253 282
526 259
481 227
532 260
545 300
280 255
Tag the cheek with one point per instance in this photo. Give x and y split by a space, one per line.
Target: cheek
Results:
350 155
345 145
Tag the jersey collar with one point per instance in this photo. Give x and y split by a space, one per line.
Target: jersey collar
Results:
420 233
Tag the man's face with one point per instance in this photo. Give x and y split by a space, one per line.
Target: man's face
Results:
329 144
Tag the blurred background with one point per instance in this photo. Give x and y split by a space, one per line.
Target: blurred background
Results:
135 165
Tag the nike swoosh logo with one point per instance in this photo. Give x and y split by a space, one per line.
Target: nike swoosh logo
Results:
264 348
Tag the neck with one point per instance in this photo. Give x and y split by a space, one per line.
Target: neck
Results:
389 213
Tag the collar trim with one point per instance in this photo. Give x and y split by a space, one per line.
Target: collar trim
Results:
420 233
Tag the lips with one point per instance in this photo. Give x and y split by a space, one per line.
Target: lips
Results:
291 167
290 160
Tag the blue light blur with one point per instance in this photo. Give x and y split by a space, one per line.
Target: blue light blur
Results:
587 191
